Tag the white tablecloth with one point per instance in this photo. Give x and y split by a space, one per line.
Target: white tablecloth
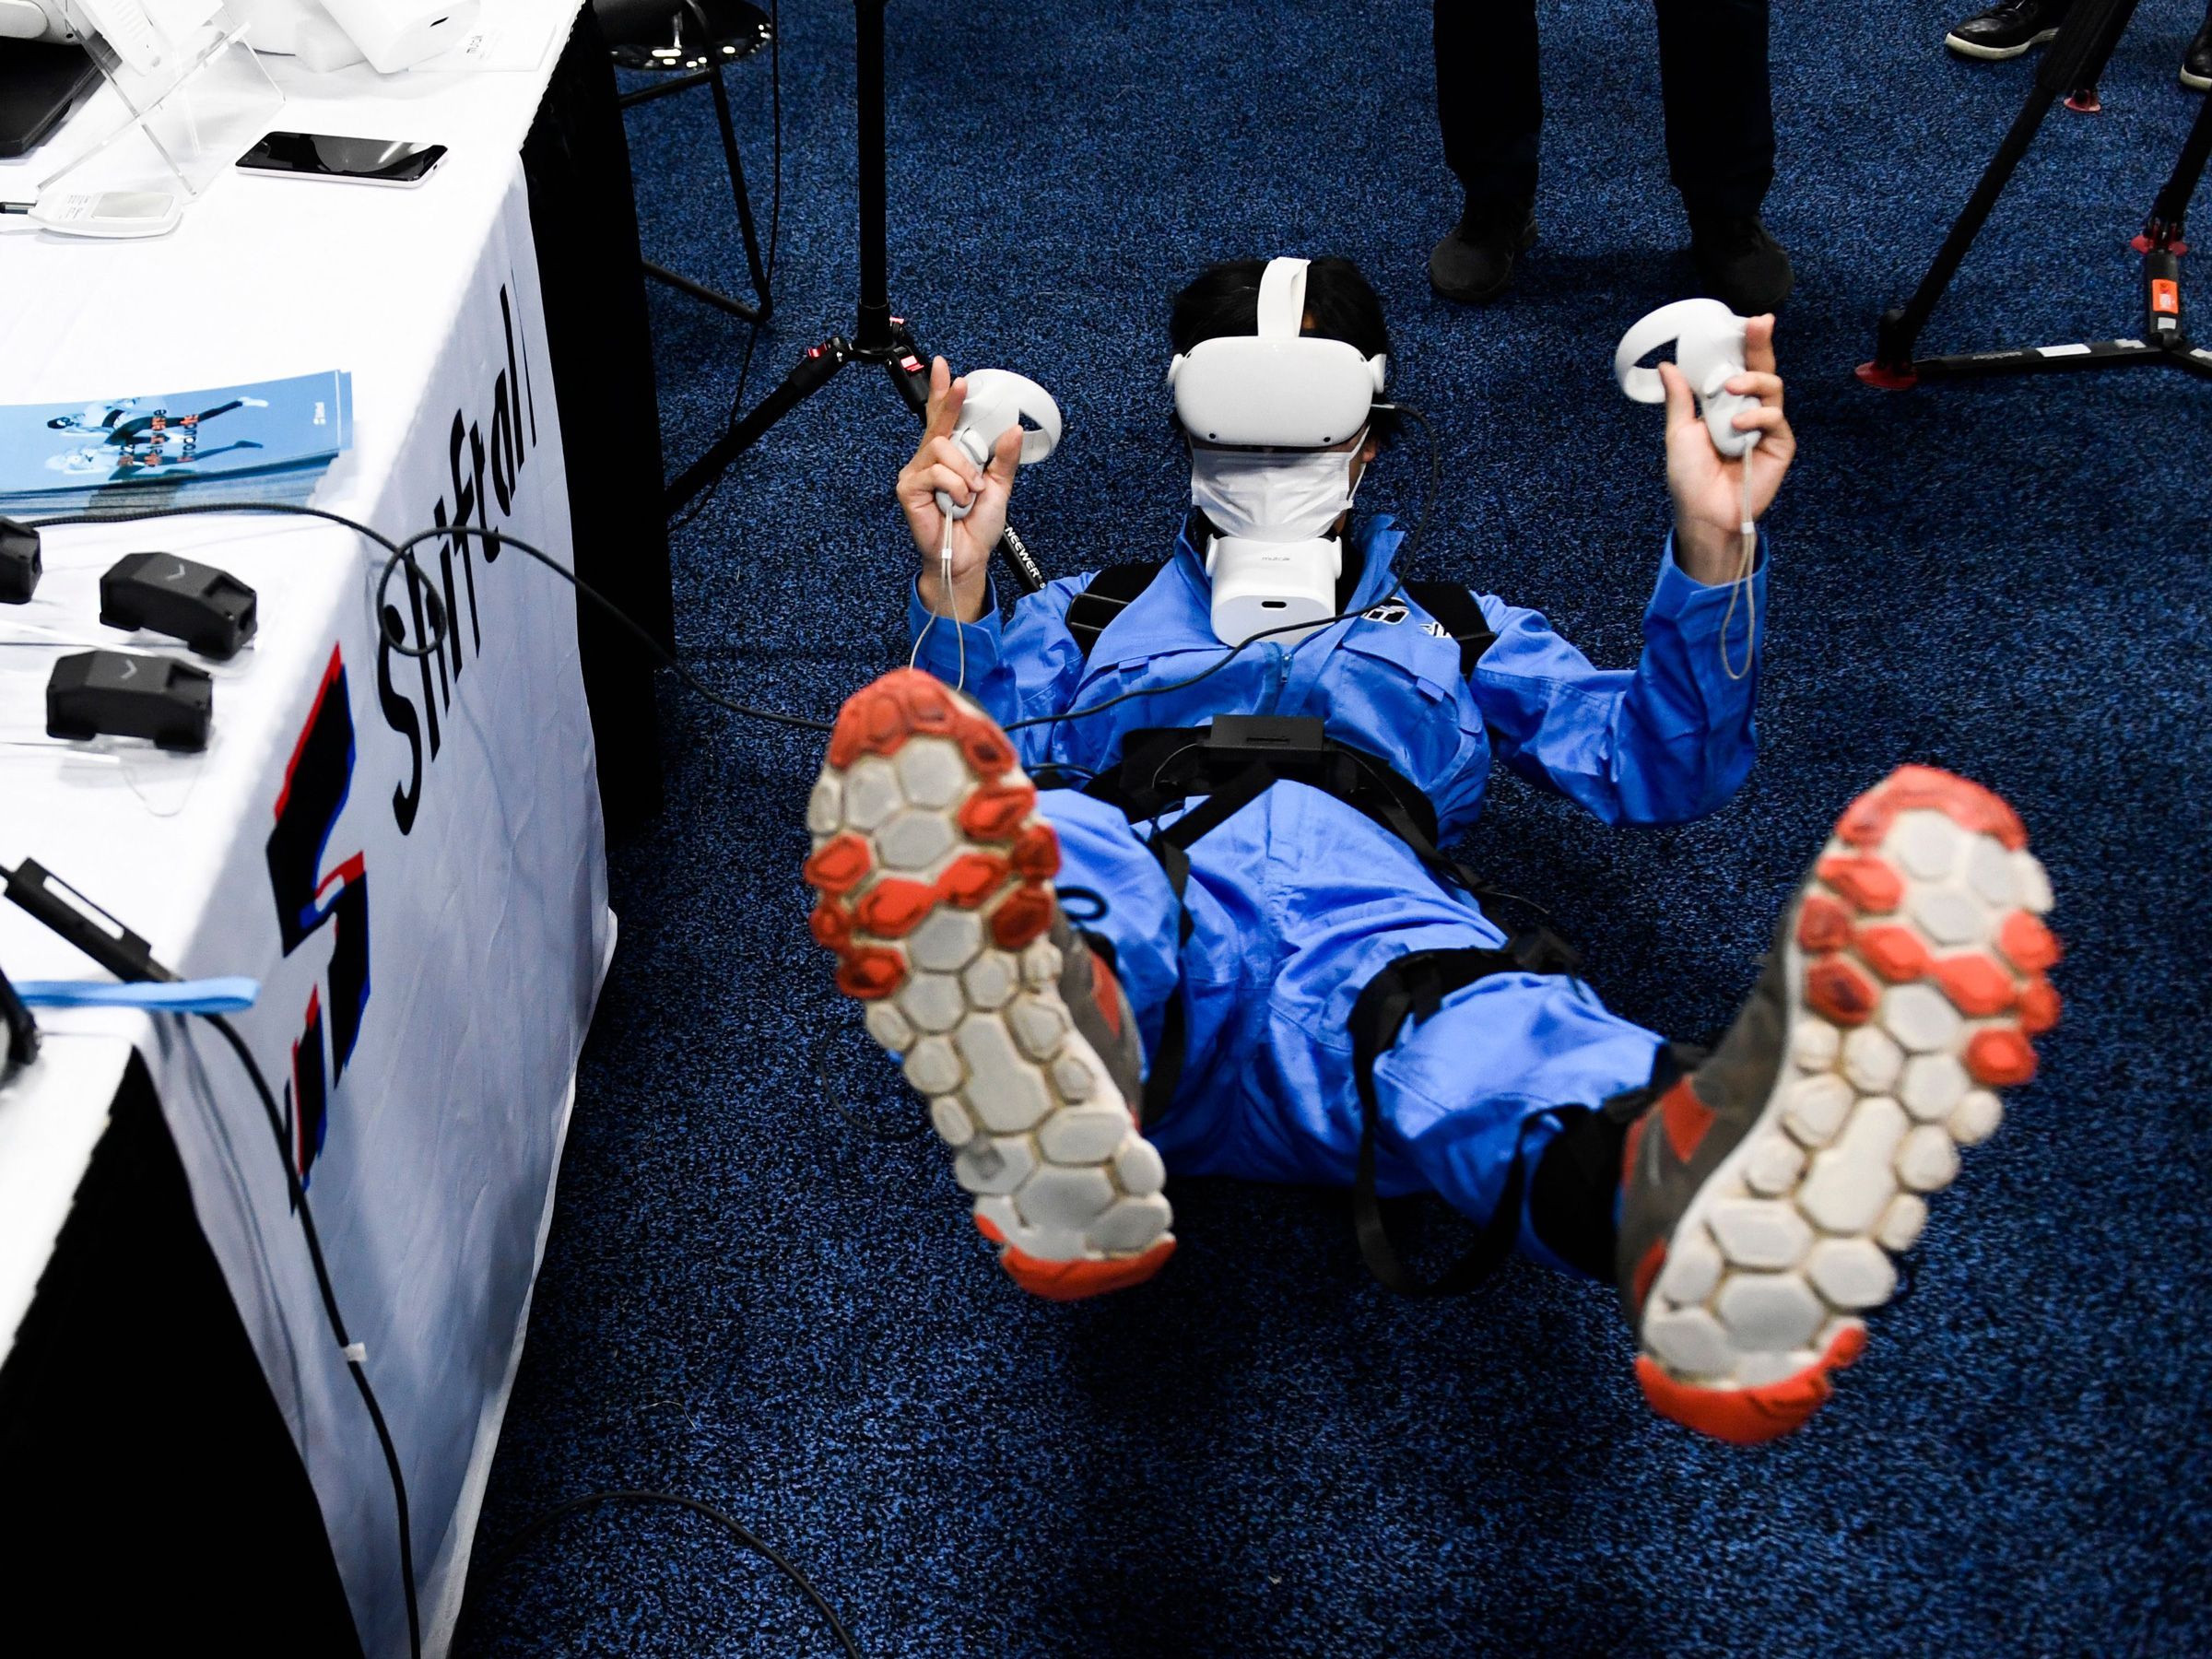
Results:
461 851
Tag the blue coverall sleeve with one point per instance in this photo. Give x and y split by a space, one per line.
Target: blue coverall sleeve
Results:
1018 667
1668 741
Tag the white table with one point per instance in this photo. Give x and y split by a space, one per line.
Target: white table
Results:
465 812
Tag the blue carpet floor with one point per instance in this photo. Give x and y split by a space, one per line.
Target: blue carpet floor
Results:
746 1301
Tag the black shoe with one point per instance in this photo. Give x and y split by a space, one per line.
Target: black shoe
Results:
2007 28
1743 266
2196 62
1476 261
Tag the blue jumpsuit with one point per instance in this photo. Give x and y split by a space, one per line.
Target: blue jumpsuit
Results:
1298 901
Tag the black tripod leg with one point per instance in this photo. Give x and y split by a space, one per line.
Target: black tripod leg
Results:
909 376
2162 300
753 265
809 375
2075 58
2039 360
2173 206
1016 552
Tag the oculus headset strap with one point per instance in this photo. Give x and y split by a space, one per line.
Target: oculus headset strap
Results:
1282 300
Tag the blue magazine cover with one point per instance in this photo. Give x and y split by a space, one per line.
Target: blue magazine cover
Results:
175 438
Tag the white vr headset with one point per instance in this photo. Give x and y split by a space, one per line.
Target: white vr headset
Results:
1274 569
1277 389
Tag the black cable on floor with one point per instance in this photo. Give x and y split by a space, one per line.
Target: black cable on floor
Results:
403 554
507 1551
355 1359
102 939
834 1098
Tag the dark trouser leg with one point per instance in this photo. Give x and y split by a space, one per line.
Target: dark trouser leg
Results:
1488 101
1719 122
1573 1198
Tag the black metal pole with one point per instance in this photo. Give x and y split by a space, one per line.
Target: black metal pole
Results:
874 332
2077 58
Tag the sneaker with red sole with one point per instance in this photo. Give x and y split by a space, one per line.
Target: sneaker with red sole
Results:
933 871
1764 1195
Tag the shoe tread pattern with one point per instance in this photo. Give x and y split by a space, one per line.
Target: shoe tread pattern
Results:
1917 971
932 869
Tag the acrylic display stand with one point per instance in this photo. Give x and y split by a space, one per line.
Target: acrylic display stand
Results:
208 102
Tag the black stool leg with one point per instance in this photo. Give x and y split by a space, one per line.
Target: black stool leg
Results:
744 201
740 309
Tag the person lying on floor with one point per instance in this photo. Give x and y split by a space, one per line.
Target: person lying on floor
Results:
1278 976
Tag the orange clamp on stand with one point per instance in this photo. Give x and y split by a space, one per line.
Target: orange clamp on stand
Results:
2162 297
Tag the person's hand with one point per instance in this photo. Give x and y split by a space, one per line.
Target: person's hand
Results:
939 464
1708 488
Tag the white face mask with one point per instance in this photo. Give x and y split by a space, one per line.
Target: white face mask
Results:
1289 497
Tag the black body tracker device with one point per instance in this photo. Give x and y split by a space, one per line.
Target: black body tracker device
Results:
20 563
211 610
126 695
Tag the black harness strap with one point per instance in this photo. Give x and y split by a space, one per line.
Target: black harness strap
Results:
1167 1064
1171 847
1413 987
1162 766
1454 608
1232 762
1105 598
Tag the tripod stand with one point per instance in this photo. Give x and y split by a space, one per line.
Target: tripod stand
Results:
878 336
2075 59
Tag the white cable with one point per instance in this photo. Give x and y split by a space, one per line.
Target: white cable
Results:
952 607
914 657
1741 586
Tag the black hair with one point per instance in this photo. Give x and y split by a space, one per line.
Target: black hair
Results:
1340 305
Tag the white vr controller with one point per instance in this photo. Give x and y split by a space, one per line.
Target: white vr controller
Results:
1708 339
998 399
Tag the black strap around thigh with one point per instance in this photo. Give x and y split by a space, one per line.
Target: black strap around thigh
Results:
1413 987
1171 847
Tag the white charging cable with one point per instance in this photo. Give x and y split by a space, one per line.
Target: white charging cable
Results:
1741 586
